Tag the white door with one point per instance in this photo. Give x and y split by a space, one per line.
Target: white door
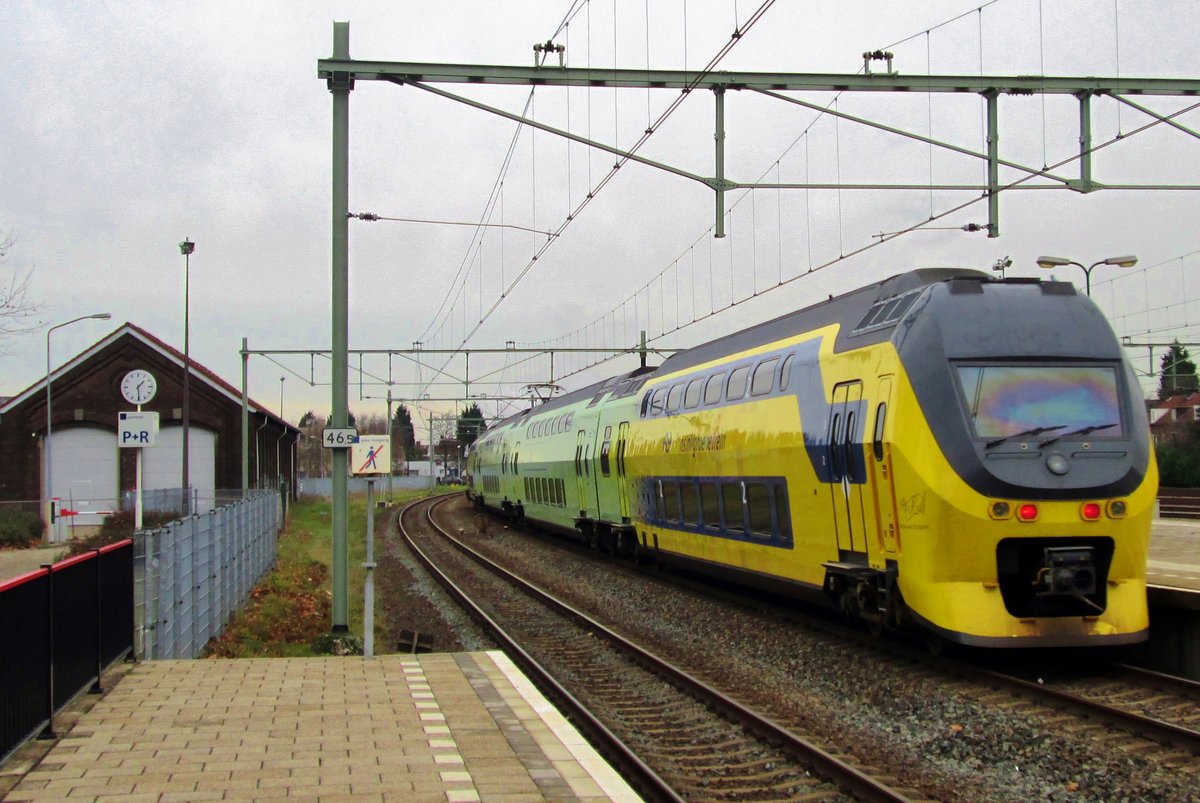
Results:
84 471
162 464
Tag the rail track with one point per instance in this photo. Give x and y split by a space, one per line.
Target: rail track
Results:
672 734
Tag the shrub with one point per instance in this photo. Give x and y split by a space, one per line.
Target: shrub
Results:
117 527
19 528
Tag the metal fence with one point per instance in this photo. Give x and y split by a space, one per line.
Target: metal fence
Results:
191 575
59 627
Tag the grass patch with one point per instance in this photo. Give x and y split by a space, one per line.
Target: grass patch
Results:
290 611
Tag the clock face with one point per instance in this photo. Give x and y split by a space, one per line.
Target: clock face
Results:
138 387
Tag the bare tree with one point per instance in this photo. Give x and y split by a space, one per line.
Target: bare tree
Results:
17 306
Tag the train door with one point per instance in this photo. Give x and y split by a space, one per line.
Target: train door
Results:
882 480
580 480
848 472
622 482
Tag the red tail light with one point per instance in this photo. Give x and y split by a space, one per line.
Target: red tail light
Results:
1027 512
1090 511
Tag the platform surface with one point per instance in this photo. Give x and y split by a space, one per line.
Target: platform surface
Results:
1174 559
433 727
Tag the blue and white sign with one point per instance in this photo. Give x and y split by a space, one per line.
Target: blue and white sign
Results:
136 429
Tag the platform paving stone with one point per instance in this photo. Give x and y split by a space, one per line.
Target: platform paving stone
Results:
455 727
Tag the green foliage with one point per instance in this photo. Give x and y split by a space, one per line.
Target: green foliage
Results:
337 644
1178 372
403 434
470 424
19 528
1179 466
118 527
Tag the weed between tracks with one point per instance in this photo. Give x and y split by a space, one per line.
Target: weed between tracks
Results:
292 606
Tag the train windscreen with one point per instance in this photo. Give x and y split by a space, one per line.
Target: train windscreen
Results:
1007 400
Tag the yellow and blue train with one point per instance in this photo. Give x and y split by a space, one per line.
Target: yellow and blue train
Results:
940 450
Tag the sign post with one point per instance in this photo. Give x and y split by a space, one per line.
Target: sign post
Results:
135 431
370 456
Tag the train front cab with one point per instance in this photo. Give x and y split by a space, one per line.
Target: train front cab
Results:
1025 486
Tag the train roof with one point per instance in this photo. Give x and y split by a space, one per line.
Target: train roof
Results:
849 309
853 310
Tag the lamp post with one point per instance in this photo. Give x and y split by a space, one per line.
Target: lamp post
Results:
1050 263
100 316
279 440
186 248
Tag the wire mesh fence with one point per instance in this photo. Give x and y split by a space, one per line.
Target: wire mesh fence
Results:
191 575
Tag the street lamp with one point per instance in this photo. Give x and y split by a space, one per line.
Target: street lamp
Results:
1050 263
100 316
186 248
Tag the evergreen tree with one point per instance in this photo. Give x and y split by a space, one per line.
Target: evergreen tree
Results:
307 420
404 438
470 425
1178 372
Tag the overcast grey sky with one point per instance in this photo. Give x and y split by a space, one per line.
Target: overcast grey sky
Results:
127 126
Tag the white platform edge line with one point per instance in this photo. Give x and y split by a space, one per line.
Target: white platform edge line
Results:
601 771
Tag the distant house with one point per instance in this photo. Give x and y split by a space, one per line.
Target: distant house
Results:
91 474
1174 418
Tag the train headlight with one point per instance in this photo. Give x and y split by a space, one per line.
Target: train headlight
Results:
1027 512
1116 509
1058 464
1000 510
1090 511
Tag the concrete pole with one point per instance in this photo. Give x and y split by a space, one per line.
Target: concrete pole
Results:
432 466
245 420
369 582
389 437
339 87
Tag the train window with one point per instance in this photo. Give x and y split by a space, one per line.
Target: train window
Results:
880 419
712 388
658 498
674 398
656 401
516 456
690 503
710 507
835 440
645 404
764 377
605 466
692 397
733 497
848 461
587 461
785 373
783 520
562 494
527 493
737 383
671 502
545 483
758 505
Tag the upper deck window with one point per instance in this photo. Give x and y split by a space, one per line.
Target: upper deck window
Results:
1007 400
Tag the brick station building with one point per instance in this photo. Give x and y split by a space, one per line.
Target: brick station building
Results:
91 474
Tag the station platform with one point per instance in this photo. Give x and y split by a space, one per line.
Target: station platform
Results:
1174 560
431 727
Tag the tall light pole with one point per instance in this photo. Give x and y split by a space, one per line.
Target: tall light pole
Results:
1050 263
282 432
100 316
186 248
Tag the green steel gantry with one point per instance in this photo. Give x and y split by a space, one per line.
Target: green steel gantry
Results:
340 73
